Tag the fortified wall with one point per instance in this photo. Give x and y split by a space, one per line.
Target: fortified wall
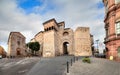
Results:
57 40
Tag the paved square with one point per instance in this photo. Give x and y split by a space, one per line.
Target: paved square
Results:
97 67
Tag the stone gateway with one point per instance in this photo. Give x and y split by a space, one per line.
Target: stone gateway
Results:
57 40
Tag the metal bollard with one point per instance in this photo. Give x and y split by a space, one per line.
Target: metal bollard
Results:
77 58
67 67
74 59
71 62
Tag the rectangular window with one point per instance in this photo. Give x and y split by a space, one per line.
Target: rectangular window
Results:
107 30
106 7
117 1
118 28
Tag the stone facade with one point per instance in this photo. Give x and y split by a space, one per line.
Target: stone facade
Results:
57 40
2 52
112 27
16 44
82 41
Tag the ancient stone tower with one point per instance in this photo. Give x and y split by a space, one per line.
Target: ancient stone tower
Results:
57 40
50 47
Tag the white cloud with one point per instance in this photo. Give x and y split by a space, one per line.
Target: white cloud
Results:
74 12
13 18
80 13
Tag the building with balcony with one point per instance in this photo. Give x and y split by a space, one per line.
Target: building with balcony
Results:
112 28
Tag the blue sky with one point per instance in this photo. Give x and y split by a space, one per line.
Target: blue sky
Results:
29 5
100 5
27 16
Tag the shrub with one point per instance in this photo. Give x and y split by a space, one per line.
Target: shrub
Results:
86 60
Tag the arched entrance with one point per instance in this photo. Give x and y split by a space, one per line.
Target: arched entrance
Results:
18 51
65 48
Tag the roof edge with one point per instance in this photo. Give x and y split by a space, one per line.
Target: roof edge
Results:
53 19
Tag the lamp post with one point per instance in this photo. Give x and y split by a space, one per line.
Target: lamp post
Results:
97 45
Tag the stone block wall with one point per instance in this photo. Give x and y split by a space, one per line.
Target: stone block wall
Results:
82 42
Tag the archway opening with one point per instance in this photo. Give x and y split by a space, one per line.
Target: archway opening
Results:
18 51
65 48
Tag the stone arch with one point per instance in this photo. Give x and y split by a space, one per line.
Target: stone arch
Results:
65 48
65 33
67 38
68 43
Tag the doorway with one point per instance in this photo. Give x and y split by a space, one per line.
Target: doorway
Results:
18 51
65 48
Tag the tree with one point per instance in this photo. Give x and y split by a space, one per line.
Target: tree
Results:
34 46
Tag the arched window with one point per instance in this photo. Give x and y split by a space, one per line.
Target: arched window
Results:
52 27
118 51
49 28
65 33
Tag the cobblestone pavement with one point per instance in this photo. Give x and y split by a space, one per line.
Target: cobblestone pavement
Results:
50 66
17 66
97 67
57 65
